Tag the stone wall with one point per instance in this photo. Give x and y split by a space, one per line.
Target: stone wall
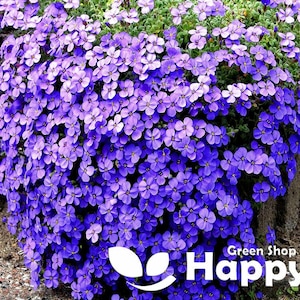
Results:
292 203
283 213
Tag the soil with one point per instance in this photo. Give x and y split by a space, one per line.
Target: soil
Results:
14 276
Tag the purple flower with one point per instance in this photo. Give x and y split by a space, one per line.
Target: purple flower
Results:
110 73
245 211
191 210
209 192
51 278
170 34
225 206
211 293
109 90
286 15
86 171
207 219
126 88
57 260
4 78
245 64
222 229
116 297
213 134
184 128
259 71
228 161
172 189
253 163
202 10
196 91
18 86
271 236
253 34
131 16
153 138
261 192
113 15
148 104
14 18
32 260
147 188
76 292
247 233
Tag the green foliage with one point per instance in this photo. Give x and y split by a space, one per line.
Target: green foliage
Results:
250 13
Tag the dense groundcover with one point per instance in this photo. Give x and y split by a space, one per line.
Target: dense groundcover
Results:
157 142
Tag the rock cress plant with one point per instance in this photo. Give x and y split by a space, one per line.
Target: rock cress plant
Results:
157 135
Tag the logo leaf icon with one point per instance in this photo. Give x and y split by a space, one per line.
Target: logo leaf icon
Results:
157 264
125 262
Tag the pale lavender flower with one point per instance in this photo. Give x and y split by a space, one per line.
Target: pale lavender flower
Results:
92 118
184 128
231 94
18 86
155 44
71 3
151 61
4 79
286 15
14 18
267 88
109 90
253 34
148 104
199 30
93 232
131 16
32 56
116 125
197 42
176 14
196 92
85 171
112 15
146 5
126 88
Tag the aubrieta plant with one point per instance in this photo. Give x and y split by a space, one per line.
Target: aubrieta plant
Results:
158 127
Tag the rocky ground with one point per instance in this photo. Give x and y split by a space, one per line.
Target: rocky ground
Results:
14 277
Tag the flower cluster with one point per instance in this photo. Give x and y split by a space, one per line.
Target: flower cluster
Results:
287 12
141 142
19 14
119 14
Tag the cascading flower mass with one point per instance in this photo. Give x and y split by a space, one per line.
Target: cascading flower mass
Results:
155 142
